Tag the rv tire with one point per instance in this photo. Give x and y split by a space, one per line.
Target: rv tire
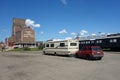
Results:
55 54
44 53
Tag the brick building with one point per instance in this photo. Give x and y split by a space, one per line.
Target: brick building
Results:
22 36
2 45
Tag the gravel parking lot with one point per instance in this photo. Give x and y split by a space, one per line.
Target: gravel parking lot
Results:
35 66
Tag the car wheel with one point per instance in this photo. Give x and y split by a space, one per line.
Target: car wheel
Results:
88 57
99 58
76 55
44 53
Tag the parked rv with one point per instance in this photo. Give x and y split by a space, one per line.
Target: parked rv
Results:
65 47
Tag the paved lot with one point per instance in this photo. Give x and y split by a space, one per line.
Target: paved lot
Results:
35 66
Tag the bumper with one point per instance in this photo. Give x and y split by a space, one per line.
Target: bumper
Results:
97 56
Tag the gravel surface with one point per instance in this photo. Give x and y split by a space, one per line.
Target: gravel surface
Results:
35 66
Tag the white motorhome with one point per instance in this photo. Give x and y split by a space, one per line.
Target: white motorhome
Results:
65 47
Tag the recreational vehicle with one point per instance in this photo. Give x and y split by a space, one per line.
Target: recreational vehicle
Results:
65 47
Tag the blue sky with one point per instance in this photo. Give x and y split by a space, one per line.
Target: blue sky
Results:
61 19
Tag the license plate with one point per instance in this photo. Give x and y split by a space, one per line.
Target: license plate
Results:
98 52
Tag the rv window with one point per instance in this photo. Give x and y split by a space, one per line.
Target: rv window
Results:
73 44
47 45
62 44
52 45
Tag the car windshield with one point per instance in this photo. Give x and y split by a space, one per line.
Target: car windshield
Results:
96 48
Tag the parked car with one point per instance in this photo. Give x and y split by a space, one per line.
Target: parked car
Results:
90 52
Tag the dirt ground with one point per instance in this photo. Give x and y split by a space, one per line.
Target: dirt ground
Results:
35 66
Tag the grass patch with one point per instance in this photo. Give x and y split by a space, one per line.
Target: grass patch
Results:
17 49
34 49
25 49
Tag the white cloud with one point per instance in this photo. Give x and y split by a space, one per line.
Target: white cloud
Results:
83 32
102 33
42 32
62 31
31 23
109 33
93 34
67 38
57 39
37 25
64 2
73 33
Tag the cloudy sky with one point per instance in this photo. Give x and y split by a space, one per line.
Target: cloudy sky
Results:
61 19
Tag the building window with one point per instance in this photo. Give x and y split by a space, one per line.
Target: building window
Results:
83 42
99 41
92 41
80 42
113 40
88 42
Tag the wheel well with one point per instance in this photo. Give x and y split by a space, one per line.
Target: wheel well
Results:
55 53
88 56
